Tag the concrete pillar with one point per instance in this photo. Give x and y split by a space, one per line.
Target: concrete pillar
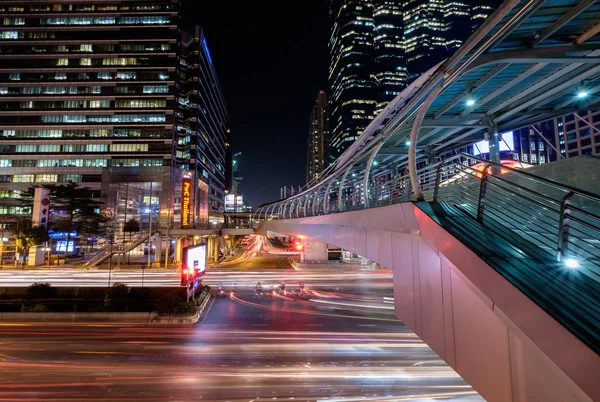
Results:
313 250
215 248
158 251
178 250
209 249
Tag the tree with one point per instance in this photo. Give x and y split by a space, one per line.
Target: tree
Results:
131 226
27 234
74 210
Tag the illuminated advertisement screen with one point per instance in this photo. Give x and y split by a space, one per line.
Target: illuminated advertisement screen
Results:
186 199
232 202
195 258
506 144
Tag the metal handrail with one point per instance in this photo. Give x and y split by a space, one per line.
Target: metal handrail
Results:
544 180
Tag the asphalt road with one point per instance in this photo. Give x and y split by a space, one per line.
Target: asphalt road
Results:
245 349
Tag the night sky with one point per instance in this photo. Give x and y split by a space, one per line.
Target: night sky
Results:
272 59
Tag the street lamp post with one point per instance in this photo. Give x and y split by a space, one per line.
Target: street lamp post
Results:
149 235
110 241
2 242
150 226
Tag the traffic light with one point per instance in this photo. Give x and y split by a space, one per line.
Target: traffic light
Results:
298 246
184 276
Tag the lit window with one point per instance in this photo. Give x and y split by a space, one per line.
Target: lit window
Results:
46 178
9 35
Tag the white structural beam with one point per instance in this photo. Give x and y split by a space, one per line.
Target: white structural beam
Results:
544 83
552 90
367 171
341 186
490 74
414 138
493 95
326 196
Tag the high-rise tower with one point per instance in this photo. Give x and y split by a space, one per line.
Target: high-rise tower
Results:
390 66
366 68
111 95
317 157
378 46
424 35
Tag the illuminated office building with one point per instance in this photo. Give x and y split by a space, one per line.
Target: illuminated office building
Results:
424 35
366 68
435 29
111 95
317 157
378 46
202 126
458 23
390 67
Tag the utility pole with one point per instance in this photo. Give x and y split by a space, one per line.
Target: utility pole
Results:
150 227
111 240
2 241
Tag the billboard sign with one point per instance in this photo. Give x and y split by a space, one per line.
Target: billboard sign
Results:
186 199
233 203
194 261
506 144
41 207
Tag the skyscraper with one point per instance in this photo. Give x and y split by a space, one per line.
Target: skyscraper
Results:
105 93
378 46
424 35
366 67
390 69
318 138
202 124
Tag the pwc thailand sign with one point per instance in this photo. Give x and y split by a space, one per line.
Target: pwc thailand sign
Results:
186 199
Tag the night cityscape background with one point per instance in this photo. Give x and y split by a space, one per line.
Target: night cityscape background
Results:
271 61
341 200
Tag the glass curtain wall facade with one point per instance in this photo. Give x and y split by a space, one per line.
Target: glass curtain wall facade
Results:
91 88
424 35
378 46
366 65
318 138
84 86
390 67
202 127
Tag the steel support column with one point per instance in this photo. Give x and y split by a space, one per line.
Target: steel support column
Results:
414 138
368 172
494 143
315 203
341 189
326 196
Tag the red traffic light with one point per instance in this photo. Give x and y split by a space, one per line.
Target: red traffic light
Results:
299 246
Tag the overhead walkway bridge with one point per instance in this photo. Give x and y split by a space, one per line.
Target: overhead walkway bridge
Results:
496 267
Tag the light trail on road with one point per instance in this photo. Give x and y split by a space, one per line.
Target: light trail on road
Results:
244 349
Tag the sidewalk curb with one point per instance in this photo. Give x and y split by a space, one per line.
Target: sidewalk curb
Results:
148 318
299 266
181 320
75 317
